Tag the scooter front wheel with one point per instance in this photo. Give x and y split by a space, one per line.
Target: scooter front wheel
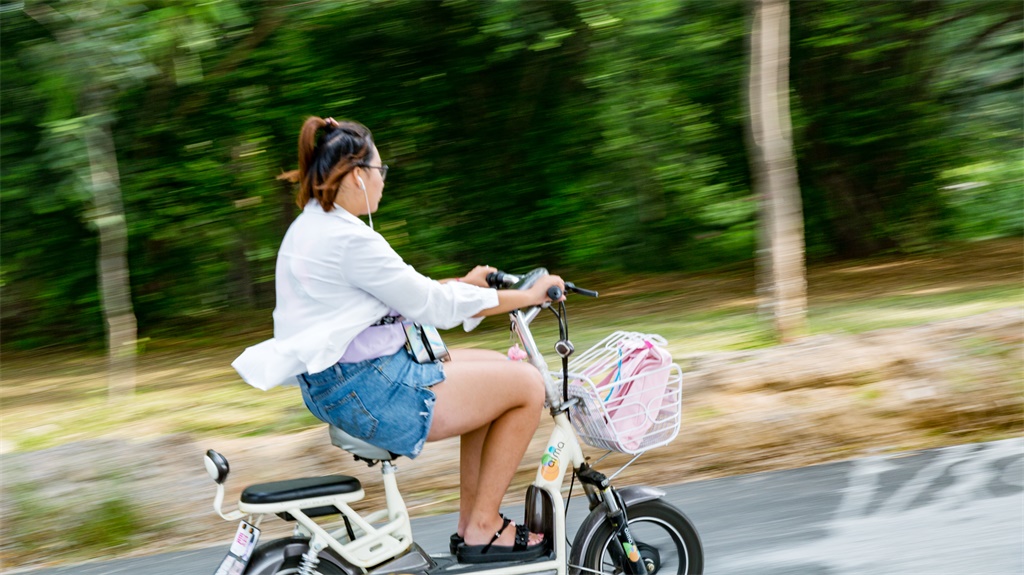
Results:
667 542
284 556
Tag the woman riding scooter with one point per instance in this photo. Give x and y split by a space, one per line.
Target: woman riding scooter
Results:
341 290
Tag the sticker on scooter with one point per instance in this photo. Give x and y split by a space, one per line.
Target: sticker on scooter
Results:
240 551
550 462
631 551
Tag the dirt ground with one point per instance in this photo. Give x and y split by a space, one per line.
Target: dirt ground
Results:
824 398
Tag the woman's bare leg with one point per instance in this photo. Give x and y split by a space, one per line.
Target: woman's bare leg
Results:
470 448
504 398
471 444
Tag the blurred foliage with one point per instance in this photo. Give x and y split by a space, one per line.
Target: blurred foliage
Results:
582 134
75 526
889 97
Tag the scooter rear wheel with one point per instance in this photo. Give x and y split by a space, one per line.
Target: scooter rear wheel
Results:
284 556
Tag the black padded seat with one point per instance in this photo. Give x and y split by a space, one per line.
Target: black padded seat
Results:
279 491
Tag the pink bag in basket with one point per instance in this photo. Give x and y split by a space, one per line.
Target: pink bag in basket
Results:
634 404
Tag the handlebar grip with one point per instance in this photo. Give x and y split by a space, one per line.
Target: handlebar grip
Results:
500 279
578 290
554 293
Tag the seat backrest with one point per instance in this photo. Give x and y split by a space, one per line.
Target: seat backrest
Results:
357 446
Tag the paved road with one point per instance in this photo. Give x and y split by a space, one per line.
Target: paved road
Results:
956 510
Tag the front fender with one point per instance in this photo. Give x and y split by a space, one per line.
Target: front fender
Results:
630 496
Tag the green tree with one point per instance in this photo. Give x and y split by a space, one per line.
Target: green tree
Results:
877 125
93 53
587 133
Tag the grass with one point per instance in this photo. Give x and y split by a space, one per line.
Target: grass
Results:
909 309
38 525
186 385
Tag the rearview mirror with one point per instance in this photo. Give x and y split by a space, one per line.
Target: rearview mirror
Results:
216 466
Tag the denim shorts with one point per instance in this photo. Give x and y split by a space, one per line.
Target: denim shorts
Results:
384 401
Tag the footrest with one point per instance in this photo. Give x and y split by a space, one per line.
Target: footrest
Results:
304 488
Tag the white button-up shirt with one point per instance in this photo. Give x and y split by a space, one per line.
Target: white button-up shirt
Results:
336 277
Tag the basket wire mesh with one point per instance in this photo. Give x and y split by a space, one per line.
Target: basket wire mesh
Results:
621 411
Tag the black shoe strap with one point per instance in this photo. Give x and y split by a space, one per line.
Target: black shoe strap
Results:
504 524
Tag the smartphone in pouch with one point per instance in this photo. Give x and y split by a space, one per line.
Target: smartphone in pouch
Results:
424 343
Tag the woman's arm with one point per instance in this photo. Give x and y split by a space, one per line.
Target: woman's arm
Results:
373 266
476 276
370 264
510 299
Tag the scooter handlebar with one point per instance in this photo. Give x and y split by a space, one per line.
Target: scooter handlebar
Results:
500 279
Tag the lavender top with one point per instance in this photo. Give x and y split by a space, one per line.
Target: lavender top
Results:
375 341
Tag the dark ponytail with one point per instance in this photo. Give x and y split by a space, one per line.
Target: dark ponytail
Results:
328 150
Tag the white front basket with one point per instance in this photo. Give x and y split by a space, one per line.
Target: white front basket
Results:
631 414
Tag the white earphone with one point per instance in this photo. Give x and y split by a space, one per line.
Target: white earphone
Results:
362 185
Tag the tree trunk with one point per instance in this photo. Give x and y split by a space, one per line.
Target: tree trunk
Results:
115 290
763 267
775 178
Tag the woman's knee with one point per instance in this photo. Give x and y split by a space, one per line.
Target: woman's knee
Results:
534 385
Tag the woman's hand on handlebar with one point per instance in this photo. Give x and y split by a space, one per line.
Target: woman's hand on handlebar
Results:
537 294
540 288
478 276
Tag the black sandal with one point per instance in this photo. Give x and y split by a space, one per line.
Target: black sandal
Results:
455 540
491 553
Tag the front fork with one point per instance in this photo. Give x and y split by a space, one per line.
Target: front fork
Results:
601 493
